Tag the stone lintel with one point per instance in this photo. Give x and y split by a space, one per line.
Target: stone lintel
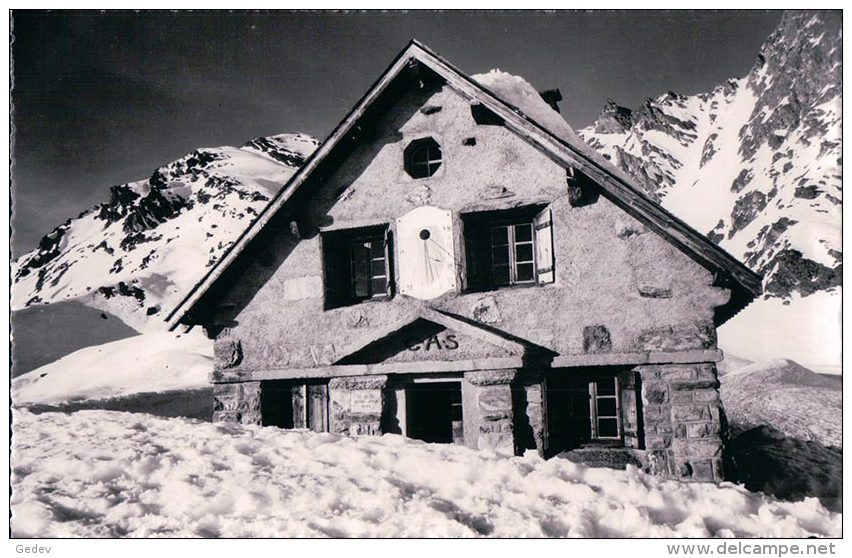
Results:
606 359
222 376
490 377
358 382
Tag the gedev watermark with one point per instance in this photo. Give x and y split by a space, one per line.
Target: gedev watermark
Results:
34 549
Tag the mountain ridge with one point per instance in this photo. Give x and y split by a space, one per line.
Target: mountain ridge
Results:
755 163
130 256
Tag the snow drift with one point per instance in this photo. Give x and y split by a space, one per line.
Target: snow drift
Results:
107 474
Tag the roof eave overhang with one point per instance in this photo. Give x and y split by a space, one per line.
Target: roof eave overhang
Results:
345 127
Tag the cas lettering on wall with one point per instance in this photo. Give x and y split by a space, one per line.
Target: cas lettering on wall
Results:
446 342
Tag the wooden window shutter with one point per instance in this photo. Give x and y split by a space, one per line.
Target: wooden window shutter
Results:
628 387
336 269
544 247
389 271
316 407
545 420
477 238
299 396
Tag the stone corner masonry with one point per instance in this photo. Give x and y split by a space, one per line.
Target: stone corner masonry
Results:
684 421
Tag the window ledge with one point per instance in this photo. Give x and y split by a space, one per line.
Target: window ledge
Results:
504 288
349 303
601 444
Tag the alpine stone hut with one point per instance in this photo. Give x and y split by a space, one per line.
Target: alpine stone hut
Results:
455 265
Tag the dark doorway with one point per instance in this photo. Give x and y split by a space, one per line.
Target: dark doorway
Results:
582 407
276 404
568 417
434 412
294 404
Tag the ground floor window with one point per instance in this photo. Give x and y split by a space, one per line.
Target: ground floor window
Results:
582 408
603 409
433 412
291 404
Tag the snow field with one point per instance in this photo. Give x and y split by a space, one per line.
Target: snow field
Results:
152 362
103 473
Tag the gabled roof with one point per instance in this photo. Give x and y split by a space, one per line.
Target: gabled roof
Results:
565 149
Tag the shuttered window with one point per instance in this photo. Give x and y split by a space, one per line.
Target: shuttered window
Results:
603 401
369 272
357 265
295 404
512 254
505 248
590 407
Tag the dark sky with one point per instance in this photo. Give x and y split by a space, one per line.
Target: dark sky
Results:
103 99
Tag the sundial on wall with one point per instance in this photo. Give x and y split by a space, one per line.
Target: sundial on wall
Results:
427 262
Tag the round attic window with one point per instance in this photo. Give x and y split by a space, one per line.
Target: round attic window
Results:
423 158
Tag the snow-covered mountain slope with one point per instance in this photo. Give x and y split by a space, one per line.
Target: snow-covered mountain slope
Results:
153 362
108 474
756 165
138 254
786 396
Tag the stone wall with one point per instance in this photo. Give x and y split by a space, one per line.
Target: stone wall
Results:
647 295
676 426
492 392
356 405
237 402
529 431
684 422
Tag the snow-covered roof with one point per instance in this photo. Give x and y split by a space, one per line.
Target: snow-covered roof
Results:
511 99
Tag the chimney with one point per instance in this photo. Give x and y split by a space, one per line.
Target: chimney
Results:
552 98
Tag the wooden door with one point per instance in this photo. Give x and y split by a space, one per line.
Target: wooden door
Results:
457 416
317 408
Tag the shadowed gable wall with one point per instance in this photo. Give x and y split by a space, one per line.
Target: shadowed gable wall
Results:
610 270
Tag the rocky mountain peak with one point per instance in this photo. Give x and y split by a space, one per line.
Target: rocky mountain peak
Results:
755 163
614 119
144 248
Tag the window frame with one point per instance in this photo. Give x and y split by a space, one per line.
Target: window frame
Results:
572 409
512 243
429 166
289 404
594 414
370 276
479 247
340 283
